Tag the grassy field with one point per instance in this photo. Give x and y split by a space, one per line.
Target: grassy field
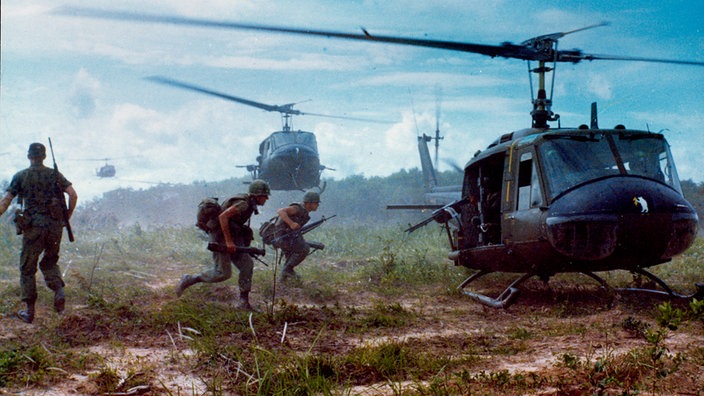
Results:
376 312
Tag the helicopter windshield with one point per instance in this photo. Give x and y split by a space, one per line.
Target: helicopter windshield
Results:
570 160
280 139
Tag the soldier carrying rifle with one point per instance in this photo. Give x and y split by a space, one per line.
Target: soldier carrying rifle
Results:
288 228
40 191
229 232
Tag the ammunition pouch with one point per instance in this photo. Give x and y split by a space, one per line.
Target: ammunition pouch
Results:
22 221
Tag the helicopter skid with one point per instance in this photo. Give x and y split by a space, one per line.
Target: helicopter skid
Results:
508 296
504 300
668 292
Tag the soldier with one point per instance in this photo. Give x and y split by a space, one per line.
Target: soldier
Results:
40 190
232 232
291 218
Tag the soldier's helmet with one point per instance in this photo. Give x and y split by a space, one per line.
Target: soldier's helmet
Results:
311 197
259 187
36 150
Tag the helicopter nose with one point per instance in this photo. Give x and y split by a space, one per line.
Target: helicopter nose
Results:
632 220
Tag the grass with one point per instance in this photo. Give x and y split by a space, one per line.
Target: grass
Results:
336 329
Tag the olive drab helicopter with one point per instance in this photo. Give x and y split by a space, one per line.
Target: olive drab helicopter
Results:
545 200
288 159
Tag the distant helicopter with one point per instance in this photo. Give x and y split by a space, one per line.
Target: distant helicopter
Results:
287 159
542 201
107 170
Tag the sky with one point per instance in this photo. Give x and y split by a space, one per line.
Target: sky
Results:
82 83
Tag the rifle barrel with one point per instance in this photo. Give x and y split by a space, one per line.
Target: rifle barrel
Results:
60 194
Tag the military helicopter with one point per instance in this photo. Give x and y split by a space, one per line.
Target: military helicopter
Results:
288 159
107 170
546 200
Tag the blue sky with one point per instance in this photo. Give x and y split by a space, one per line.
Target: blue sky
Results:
81 82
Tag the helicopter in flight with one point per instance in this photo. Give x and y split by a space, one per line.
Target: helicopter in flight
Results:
545 200
288 159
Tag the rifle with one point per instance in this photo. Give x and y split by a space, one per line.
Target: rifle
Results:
306 228
442 215
60 192
216 247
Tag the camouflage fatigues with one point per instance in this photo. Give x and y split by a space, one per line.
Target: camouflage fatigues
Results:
242 236
36 188
295 248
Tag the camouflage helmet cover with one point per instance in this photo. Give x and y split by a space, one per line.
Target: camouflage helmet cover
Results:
311 197
259 187
36 150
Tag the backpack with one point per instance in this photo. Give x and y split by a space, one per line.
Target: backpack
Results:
207 216
268 230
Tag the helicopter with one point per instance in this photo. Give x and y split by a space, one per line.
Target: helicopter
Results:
288 159
107 170
545 200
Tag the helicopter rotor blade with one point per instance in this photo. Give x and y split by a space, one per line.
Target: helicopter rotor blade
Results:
534 49
347 118
287 108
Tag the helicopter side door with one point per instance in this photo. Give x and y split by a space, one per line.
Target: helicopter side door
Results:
523 217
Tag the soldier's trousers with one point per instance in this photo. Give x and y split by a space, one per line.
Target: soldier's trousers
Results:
295 250
36 240
222 266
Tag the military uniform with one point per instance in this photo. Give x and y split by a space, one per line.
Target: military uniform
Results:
242 235
237 210
40 191
294 248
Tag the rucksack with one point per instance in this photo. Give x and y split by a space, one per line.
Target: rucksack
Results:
268 230
207 216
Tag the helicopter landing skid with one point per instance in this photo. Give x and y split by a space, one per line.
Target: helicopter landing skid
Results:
507 297
698 294
504 300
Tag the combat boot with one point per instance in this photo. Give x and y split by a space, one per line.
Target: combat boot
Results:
27 315
244 302
289 274
186 282
59 300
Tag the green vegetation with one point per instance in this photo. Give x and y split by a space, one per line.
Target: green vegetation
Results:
376 311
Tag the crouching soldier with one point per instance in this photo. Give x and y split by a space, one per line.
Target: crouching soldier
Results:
292 217
232 230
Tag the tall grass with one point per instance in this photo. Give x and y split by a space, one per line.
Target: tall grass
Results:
120 290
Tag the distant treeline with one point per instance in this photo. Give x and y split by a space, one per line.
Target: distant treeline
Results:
355 200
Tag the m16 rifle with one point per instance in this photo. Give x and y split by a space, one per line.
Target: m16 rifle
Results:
442 215
306 228
252 251
60 194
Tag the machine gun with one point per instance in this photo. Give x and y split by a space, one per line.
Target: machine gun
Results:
252 251
442 215
306 228
60 194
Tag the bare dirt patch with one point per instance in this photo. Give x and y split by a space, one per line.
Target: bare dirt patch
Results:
543 336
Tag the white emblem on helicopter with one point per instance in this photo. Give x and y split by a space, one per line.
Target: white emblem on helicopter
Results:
642 202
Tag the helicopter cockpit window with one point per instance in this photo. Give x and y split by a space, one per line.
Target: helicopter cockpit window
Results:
570 160
281 139
529 195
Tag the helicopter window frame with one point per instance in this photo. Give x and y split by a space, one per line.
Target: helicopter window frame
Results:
570 160
529 194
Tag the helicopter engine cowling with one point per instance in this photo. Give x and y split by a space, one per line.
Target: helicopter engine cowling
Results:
619 224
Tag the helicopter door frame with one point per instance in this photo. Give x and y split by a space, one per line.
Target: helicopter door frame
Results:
526 207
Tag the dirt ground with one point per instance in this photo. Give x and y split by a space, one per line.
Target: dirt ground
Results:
537 333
